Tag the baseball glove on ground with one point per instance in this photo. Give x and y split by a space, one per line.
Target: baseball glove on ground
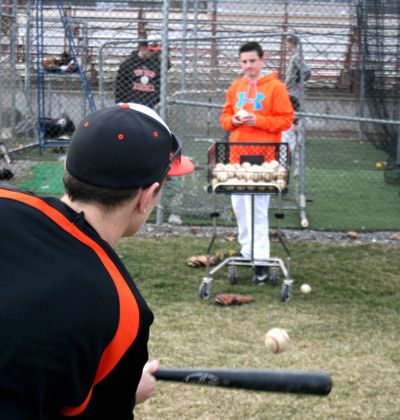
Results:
228 299
200 261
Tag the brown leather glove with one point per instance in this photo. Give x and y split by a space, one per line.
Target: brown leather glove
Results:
227 299
200 261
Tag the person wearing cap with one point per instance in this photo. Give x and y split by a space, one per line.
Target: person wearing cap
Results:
268 112
138 78
73 324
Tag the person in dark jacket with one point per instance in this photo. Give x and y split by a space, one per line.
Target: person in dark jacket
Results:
138 78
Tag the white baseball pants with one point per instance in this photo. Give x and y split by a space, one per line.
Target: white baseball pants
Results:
241 204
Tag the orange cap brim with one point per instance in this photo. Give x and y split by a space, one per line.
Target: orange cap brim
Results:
154 48
182 166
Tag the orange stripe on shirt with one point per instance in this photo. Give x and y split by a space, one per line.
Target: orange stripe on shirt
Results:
129 316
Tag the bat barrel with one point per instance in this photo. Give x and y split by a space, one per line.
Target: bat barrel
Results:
288 381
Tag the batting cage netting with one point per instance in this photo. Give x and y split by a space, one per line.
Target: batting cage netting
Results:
60 60
380 45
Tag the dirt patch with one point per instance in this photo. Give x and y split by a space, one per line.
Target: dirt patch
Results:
391 238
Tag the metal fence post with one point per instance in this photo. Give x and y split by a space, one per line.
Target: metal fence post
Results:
362 21
163 88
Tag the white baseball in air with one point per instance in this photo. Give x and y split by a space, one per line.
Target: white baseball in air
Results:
277 340
305 288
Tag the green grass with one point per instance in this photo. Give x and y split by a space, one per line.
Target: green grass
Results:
347 326
44 178
345 154
351 200
344 190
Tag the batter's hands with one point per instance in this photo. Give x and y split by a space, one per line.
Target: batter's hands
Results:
147 384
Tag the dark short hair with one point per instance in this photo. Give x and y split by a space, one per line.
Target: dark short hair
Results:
252 46
107 197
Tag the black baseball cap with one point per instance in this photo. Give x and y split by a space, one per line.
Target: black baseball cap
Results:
125 146
151 45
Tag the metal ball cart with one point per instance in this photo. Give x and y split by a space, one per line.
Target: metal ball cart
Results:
253 169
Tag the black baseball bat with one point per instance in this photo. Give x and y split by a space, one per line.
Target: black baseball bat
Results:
271 380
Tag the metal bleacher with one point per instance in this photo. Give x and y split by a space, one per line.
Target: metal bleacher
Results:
325 44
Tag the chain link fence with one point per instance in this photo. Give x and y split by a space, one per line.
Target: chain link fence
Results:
62 59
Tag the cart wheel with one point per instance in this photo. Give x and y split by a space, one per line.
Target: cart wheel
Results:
232 274
286 292
205 290
274 276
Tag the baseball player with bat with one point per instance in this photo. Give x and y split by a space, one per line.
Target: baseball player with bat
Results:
73 325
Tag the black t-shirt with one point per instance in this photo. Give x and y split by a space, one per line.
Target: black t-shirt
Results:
73 326
138 80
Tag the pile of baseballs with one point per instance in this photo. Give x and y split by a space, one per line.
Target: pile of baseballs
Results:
247 176
277 340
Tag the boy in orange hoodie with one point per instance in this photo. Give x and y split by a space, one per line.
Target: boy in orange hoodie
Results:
269 112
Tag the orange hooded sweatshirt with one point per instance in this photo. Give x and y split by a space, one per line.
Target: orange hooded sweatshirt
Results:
268 99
